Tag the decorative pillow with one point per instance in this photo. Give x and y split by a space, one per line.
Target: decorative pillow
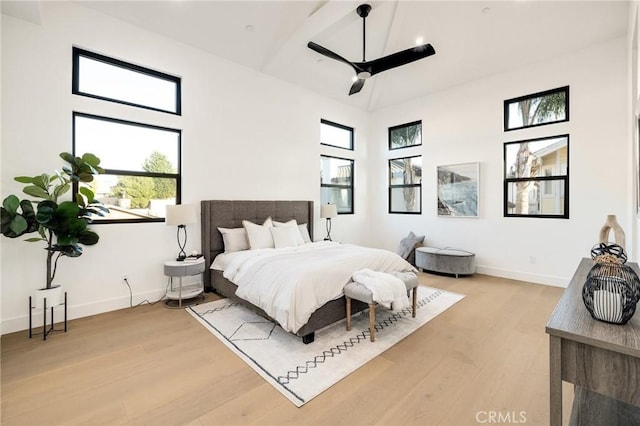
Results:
408 245
259 236
304 232
235 239
291 224
286 236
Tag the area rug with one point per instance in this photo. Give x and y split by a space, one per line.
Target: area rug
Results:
301 372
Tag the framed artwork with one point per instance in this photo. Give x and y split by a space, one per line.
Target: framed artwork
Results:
537 109
405 135
458 190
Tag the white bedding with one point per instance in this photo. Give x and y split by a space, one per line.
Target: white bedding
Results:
290 283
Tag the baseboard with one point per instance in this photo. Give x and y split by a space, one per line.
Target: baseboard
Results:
20 323
524 276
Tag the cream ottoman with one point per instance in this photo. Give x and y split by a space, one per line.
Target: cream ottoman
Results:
446 260
359 292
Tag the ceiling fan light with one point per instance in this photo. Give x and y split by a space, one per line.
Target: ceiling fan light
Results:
363 75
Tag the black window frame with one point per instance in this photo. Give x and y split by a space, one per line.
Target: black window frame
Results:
351 130
508 102
400 126
75 85
350 186
564 178
412 185
177 176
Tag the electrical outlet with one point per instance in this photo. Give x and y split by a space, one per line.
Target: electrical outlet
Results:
125 277
532 259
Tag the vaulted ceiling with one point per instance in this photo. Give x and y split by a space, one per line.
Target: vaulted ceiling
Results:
472 39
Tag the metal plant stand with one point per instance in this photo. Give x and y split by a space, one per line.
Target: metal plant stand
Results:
45 332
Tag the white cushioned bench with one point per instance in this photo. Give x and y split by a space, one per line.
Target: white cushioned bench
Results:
446 260
360 292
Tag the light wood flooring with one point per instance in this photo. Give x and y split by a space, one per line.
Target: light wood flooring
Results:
157 366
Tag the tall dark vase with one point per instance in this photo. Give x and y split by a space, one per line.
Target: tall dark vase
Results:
612 289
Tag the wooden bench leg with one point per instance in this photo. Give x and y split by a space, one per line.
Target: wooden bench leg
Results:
372 321
348 313
415 302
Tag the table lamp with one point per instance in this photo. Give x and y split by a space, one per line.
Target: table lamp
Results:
327 211
181 215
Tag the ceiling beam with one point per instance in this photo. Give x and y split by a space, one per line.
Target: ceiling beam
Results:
331 15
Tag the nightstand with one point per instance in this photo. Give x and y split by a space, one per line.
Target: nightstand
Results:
180 296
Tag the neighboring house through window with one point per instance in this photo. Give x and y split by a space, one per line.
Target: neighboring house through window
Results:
336 183
537 177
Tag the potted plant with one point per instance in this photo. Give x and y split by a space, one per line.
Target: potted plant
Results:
62 226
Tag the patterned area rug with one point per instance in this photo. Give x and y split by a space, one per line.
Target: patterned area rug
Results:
301 372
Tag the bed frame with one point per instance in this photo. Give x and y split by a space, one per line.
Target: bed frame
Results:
230 214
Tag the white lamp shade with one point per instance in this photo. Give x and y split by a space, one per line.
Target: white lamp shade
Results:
181 214
328 211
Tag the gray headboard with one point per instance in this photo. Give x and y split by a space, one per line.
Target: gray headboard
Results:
230 214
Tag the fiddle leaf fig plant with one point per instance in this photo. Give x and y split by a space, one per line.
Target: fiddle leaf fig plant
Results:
62 226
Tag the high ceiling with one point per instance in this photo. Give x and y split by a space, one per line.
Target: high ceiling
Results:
472 39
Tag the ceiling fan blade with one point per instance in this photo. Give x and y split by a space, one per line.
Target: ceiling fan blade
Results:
397 59
357 86
326 52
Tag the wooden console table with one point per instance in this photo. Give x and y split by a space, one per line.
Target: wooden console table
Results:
602 360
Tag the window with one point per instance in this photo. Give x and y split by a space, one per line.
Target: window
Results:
105 78
337 135
141 162
537 109
405 185
405 135
537 177
336 183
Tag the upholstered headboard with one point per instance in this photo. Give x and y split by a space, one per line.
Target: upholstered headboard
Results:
230 214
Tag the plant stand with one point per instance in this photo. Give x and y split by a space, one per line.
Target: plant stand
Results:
45 331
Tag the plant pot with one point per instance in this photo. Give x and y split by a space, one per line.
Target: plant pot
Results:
52 295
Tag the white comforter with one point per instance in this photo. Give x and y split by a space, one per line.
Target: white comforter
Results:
290 283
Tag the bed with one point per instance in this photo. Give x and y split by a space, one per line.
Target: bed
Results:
230 214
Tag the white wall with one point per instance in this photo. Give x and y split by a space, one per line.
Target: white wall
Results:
464 124
245 136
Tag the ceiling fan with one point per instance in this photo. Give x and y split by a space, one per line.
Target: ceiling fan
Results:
366 69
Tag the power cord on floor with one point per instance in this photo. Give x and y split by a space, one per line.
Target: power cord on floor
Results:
146 301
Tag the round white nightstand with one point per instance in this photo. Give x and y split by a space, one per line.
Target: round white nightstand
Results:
180 296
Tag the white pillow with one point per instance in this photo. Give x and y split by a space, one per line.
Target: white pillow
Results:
235 239
286 236
304 232
291 224
259 235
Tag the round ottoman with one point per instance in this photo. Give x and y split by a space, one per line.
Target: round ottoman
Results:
446 260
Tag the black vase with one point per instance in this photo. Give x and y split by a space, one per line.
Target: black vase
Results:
612 289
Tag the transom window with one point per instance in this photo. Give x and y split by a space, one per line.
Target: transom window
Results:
405 135
141 162
337 135
537 109
110 79
336 183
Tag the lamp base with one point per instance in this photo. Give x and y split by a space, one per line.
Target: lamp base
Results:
181 258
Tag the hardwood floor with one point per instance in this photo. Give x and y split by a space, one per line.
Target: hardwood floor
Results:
156 366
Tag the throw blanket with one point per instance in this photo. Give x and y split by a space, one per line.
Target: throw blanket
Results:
291 283
386 289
